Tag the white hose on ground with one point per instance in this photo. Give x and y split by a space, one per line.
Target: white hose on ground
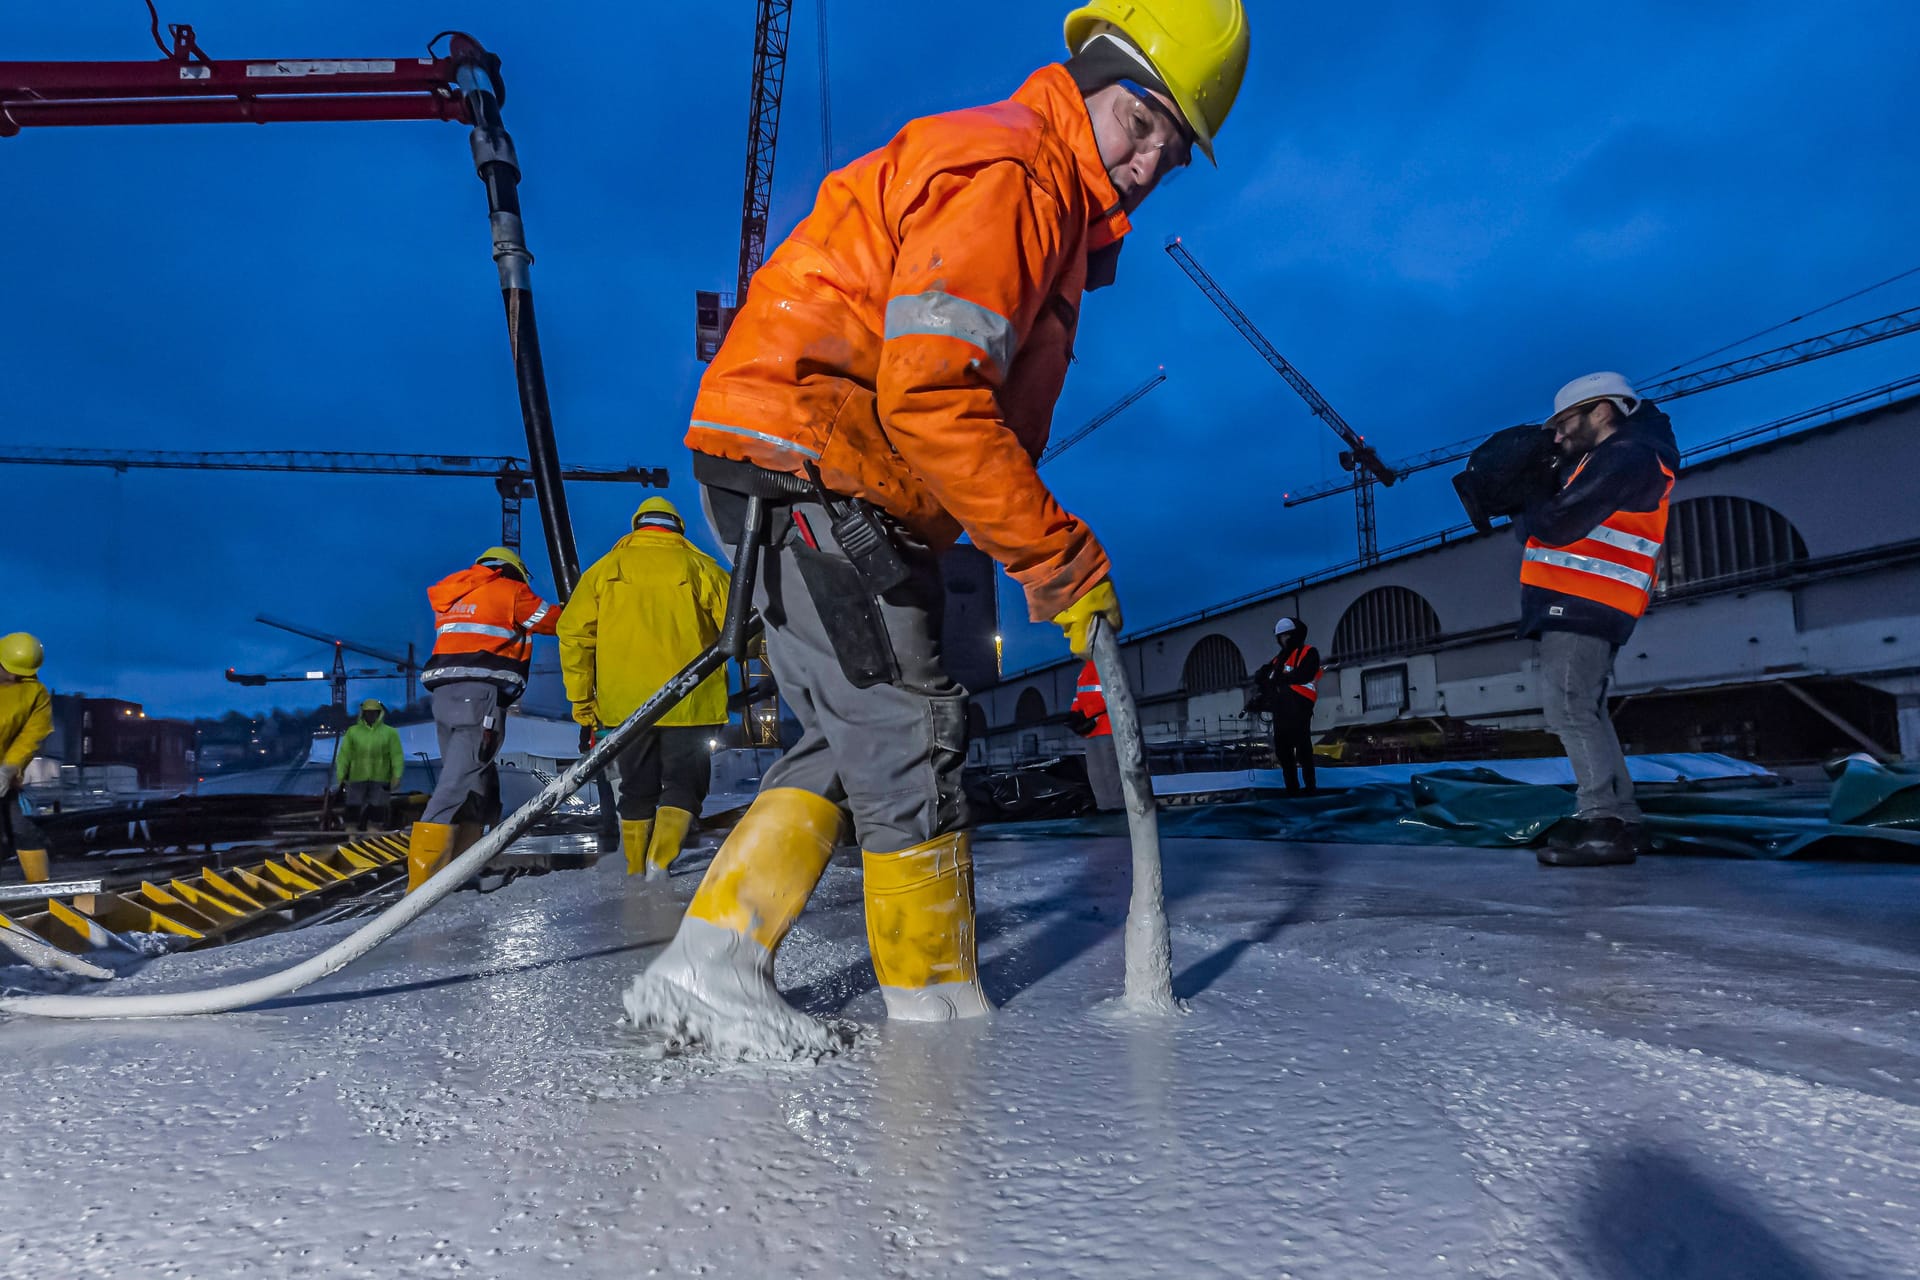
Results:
1149 951
240 995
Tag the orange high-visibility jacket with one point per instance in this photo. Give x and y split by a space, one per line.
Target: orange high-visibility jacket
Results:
1090 700
1614 565
483 628
912 334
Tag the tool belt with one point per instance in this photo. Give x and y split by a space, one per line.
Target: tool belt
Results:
847 575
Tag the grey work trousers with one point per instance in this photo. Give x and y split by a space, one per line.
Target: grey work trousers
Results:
364 796
468 719
1575 671
892 752
1103 774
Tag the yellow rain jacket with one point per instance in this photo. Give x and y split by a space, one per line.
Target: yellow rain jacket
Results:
642 612
26 721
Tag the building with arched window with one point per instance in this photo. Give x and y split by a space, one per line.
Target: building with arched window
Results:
1785 623
1213 664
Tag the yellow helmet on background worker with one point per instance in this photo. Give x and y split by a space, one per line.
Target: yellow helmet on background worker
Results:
658 513
21 654
1198 48
503 555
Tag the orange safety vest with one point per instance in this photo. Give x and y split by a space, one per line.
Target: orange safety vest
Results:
911 336
1090 700
1614 565
483 628
1311 689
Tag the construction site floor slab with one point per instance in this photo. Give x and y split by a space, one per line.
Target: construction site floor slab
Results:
1398 1062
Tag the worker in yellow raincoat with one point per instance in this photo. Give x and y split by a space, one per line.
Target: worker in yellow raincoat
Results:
26 721
641 613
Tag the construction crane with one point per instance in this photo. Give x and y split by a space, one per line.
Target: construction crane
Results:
1102 418
1818 347
713 312
1358 457
406 667
511 477
187 86
338 677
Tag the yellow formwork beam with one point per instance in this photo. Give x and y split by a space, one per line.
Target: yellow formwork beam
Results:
230 889
262 887
126 915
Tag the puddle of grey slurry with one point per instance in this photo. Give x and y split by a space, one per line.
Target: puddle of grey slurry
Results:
1397 1062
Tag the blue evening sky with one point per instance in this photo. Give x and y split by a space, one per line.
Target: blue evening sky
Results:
1440 212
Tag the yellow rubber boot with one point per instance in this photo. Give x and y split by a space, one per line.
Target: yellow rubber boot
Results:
713 985
669 833
920 929
33 865
634 837
429 848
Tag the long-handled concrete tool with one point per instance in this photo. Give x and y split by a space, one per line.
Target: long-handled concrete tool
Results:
1149 953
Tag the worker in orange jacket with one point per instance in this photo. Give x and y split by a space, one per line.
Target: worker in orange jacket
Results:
889 382
484 621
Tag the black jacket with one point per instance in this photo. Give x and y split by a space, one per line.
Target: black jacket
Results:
1623 474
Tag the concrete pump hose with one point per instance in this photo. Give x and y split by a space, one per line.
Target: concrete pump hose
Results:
1149 952
241 995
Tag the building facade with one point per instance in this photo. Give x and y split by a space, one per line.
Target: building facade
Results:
1786 625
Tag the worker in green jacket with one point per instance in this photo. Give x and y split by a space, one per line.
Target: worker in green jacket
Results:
367 766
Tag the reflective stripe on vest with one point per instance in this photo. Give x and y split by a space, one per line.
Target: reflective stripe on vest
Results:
1311 689
477 629
1614 565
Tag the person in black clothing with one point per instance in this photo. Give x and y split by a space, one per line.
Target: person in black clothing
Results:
1287 688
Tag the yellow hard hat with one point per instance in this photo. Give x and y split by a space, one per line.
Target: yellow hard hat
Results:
504 555
1198 48
665 516
21 654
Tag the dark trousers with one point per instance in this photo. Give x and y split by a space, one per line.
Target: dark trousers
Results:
17 830
665 767
1293 741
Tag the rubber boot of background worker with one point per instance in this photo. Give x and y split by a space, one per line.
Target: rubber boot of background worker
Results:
484 621
713 985
670 825
892 373
636 836
641 613
26 722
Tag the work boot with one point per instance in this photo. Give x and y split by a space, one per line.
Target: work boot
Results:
429 848
33 865
1592 842
634 841
920 930
669 833
713 985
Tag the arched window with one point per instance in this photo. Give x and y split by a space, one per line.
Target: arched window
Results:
1386 620
1721 539
1031 708
976 723
1214 663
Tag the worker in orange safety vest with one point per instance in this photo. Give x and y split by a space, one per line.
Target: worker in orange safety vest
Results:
484 621
1087 716
889 383
1586 576
1288 689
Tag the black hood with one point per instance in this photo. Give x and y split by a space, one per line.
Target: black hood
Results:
1650 426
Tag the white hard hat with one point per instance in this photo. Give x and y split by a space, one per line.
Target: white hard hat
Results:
1597 386
1283 626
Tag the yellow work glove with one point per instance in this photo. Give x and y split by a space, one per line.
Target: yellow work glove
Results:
584 714
1100 601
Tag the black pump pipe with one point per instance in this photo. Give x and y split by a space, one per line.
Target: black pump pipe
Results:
478 78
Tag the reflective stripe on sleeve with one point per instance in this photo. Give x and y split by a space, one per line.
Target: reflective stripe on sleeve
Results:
478 629
937 313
